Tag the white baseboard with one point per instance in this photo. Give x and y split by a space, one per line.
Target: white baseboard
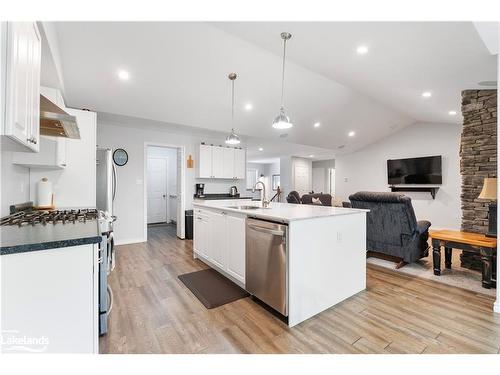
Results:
128 241
496 306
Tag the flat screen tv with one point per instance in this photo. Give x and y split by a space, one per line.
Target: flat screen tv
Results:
415 171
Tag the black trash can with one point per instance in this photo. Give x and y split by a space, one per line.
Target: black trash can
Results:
189 225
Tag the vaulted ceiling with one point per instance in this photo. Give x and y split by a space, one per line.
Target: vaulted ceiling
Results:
178 74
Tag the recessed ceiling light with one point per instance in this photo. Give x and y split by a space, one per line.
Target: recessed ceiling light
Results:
426 94
317 124
261 149
362 50
123 75
248 107
351 134
452 113
311 156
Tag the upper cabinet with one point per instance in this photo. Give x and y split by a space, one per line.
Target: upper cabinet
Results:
221 162
239 164
52 154
21 52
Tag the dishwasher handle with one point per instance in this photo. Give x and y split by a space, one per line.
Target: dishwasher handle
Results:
267 230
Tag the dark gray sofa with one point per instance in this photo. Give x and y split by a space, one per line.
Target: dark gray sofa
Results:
325 199
294 197
392 228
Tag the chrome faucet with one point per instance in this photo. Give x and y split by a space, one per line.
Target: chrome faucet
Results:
264 201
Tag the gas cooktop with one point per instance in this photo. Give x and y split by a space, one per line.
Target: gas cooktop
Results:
33 217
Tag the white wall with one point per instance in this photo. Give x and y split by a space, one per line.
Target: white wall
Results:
367 170
129 202
15 183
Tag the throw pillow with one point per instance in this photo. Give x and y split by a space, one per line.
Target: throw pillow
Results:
317 201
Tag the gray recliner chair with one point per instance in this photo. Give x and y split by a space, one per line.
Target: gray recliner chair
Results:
392 228
293 197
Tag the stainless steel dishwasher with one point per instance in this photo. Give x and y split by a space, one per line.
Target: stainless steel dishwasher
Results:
266 263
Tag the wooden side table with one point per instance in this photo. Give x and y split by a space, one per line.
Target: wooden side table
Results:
477 243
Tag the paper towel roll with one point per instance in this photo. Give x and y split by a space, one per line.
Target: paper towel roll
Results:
44 193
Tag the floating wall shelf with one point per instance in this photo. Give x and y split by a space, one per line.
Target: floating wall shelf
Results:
421 189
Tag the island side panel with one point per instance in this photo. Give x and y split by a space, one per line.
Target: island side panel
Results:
326 263
51 295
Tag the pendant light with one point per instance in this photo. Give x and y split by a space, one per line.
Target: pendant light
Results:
232 139
282 121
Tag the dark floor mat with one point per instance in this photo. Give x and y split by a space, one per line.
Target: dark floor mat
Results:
211 288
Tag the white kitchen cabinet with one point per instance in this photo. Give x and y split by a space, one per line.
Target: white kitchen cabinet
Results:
205 162
235 246
52 295
219 239
228 167
217 162
22 84
239 164
221 162
52 154
201 233
217 246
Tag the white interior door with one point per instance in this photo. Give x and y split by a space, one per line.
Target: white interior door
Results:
331 177
157 190
301 179
318 180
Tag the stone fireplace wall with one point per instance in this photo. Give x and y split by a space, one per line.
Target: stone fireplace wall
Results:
478 155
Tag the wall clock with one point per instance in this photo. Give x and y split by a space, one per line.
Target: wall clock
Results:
120 157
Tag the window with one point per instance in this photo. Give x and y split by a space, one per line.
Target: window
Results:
252 178
276 181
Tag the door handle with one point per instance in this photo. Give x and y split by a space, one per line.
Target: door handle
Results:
164 195
114 182
266 230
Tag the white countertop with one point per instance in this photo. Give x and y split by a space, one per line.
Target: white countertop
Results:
282 211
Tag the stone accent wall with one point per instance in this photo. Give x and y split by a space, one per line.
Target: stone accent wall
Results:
478 155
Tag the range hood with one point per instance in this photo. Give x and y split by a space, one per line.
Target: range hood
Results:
56 122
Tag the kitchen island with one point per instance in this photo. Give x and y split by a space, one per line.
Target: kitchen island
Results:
325 250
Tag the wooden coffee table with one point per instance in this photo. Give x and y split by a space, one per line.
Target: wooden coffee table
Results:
477 243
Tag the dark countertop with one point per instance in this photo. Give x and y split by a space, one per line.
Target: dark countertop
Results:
14 239
221 196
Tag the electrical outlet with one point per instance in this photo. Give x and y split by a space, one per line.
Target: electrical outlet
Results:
346 179
138 182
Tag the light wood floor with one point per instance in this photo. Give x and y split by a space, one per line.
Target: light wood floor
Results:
155 313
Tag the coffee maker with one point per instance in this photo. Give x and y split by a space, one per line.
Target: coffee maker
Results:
200 191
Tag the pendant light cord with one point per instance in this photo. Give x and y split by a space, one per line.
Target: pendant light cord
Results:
232 106
283 75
